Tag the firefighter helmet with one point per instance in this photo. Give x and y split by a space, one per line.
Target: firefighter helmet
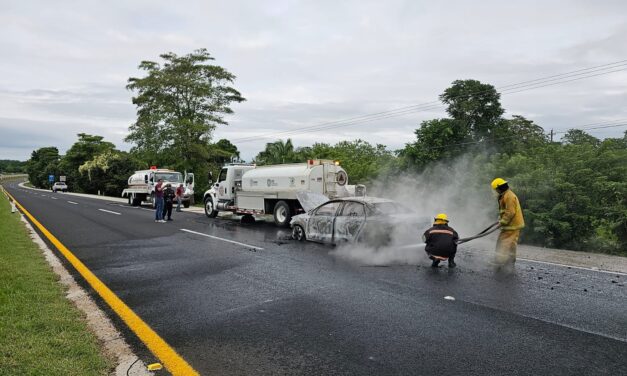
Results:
441 217
498 182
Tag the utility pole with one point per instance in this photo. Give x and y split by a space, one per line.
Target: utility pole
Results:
551 135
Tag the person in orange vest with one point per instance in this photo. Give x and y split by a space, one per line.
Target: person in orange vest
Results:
511 221
441 242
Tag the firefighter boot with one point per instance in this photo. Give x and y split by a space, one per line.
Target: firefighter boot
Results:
451 262
435 263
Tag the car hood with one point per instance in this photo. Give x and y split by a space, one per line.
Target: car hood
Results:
310 200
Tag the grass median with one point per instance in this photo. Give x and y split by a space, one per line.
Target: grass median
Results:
41 332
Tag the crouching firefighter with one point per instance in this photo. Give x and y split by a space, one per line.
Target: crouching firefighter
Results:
441 242
511 222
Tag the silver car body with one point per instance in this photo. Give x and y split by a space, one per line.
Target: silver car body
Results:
59 186
371 220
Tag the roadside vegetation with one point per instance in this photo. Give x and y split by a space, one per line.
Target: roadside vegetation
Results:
573 188
41 332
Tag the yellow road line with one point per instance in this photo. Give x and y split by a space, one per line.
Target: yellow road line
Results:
166 354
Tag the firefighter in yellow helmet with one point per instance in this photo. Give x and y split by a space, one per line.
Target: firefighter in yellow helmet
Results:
441 241
511 221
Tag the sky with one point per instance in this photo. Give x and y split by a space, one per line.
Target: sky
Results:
64 64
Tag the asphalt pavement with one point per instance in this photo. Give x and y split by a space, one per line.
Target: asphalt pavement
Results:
244 299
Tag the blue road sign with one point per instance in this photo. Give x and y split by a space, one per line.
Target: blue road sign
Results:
51 178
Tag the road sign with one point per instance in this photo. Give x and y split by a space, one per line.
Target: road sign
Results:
62 178
51 178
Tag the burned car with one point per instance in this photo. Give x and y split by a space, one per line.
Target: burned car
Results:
370 220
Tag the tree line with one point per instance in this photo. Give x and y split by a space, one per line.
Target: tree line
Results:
573 191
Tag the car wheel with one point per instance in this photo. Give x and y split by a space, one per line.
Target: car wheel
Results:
210 210
282 214
298 233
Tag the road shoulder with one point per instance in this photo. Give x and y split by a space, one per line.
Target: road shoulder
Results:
109 341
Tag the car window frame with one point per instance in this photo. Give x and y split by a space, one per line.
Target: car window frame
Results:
348 203
340 207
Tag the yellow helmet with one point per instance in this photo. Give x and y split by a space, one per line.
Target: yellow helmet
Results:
498 182
441 217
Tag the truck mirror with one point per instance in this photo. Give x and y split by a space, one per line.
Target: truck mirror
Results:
210 177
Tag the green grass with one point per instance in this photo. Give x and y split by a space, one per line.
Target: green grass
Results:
41 332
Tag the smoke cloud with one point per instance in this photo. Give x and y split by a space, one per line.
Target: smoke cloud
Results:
458 188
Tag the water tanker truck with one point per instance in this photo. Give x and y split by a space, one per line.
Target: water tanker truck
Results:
248 190
141 185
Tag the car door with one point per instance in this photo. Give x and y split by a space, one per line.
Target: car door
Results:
320 225
349 222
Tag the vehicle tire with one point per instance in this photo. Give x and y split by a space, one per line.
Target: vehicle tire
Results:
298 233
210 210
282 214
137 201
153 200
186 204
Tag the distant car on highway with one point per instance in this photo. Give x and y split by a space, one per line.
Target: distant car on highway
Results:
59 186
370 220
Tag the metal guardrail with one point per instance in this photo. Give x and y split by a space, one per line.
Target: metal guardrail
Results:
12 177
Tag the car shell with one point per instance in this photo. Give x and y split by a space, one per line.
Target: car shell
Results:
359 219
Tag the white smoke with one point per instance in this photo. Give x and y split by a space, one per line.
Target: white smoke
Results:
457 188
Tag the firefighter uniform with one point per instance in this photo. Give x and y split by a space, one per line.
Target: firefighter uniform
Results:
511 221
441 240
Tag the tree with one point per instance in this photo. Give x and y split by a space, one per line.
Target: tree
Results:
179 104
108 172
43 162
435 140
9 166
579 137
86 148
223 152
475 104
362 161
517 134
278 152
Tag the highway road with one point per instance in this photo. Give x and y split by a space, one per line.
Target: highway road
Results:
236 299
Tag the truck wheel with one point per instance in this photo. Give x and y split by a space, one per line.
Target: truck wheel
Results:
210 210
186 204
298 233
136 201
153 202
282 214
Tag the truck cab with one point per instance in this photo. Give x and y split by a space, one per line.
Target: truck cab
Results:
229 180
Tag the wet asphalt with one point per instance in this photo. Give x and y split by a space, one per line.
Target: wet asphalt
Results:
262 304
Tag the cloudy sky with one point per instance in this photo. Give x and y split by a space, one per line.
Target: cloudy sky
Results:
64 64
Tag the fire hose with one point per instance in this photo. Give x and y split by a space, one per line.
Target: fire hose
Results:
493 227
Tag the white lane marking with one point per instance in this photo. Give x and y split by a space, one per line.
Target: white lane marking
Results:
224 240
109 211
72 202
573 267
54 198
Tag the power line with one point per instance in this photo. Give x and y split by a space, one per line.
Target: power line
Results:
510 137
507 89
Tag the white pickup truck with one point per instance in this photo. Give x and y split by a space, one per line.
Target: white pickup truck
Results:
247 189
141 185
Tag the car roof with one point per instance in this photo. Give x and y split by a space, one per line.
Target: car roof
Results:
365 200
